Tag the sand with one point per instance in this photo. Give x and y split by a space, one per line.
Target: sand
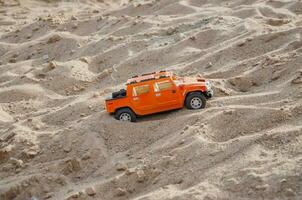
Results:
60 59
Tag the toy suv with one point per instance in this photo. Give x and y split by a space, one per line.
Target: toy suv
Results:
157 92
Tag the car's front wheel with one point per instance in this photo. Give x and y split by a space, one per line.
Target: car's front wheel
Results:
125 114
195 100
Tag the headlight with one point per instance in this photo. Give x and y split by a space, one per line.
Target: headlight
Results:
208 85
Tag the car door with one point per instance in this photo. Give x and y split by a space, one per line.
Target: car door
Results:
166 94
143 99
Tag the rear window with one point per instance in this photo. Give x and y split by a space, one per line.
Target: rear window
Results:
142 89
164 85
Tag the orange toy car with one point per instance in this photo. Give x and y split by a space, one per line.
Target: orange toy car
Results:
156 92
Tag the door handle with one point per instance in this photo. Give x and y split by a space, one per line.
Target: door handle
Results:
173 91
157 94
135 98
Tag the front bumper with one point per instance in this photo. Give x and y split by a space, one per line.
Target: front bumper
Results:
209 93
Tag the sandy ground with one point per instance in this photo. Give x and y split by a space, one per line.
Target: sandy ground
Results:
59 59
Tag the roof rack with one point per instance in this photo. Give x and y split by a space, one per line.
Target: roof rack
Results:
132 82
146 74
149 79
144 77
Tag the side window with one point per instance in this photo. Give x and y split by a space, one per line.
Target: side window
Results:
164 85
142 89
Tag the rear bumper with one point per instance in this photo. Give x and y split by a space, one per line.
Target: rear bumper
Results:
209 94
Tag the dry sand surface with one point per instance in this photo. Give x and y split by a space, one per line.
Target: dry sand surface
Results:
60 59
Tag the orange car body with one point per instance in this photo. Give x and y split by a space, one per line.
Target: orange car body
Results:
157 92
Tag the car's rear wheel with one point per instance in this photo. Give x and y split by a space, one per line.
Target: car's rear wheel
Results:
125 115
195 100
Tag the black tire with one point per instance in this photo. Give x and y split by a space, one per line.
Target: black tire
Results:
198 97
125 112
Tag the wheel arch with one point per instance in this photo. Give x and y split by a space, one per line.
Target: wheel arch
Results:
193 91
117 109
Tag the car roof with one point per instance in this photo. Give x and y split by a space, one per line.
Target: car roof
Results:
149 76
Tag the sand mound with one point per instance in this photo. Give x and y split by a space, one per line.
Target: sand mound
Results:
60 59
20 93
